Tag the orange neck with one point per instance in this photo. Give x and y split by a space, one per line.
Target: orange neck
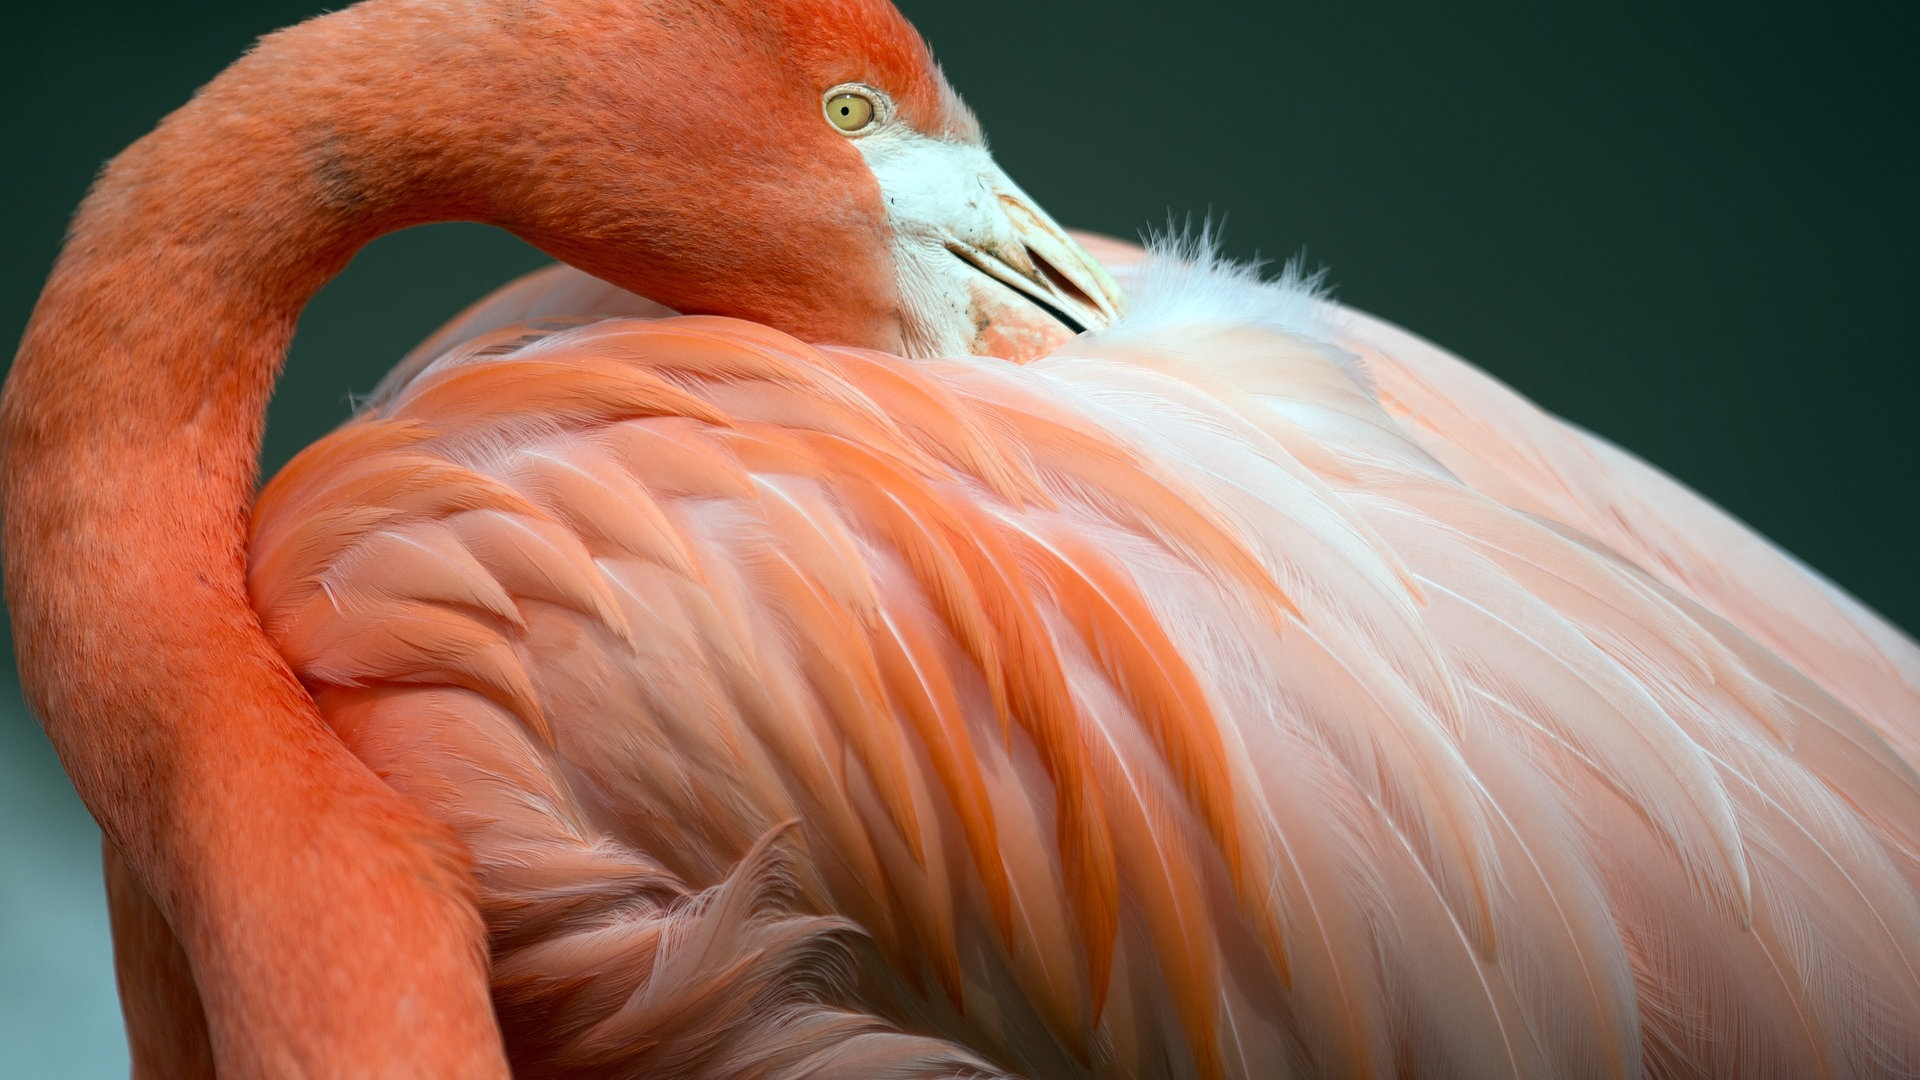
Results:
325 920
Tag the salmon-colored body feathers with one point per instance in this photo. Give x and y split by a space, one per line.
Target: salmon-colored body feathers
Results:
1172 705
1244 688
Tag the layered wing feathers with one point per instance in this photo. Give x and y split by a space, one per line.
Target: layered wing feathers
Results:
1194 702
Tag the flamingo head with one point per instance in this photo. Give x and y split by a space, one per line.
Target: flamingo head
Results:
802 163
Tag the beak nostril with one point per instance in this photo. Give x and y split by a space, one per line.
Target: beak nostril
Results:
1040 282
1060 282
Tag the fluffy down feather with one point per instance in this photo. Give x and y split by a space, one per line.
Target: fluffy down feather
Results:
1249 690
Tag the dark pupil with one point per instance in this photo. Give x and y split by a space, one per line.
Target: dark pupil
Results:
846 110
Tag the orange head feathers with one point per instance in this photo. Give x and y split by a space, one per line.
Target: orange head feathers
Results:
682 151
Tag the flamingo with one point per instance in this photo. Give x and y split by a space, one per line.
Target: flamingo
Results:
1243 688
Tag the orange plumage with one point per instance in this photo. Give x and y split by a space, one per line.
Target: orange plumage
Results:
1298 753
1244 688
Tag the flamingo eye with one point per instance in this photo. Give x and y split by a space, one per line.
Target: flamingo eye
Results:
854 109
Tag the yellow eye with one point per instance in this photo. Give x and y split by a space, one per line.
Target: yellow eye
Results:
851 111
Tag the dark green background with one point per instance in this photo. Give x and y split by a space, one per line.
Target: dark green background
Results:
1689 226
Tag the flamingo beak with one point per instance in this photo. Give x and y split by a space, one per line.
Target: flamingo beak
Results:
981 269
1036 288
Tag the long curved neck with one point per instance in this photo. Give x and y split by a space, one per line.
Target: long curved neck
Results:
325 921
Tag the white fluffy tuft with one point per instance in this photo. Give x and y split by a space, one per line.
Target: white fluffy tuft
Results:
1186 282
1185 279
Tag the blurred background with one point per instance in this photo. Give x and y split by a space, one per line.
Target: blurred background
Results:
1690 226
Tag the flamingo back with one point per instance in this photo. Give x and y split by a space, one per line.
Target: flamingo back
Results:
1195 701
